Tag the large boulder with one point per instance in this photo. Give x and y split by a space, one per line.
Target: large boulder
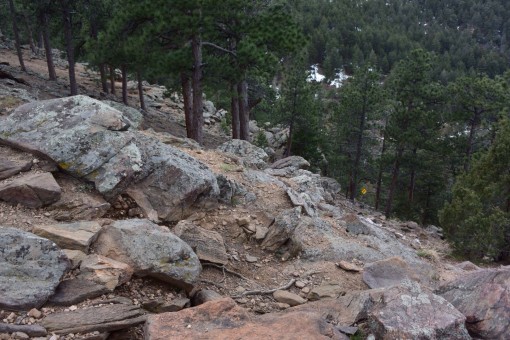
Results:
483 296
33 190
92 140
151 250
252 155
133 116
30 269
391 271
408 312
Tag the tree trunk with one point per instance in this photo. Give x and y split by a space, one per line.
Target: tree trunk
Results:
16 36
40 39
198 109
288 147
394 180
359 147
104 78
380 174
47 47
472 130
30 34
68 34
234 109
123 69
112 80
188 101
140 90
412 180
244 112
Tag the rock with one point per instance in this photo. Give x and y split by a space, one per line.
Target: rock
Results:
75 257
151 250
105 271
355 225
156 306
91 140
348 330
75 236
28 330
79 207
250 259
207 244
392 271
133 116
30 269
33 190
468 266
9 169
34 313
329 290
302 200
252 155
483 296
169 139
407 312
95 319
203 296
260 232
74 291
348 267
224 320
19 335
282 229
296 162
289 298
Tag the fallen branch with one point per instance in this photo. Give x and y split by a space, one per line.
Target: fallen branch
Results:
224 269
266 292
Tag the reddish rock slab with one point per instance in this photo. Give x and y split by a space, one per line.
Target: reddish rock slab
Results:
33 191
224 320
9 169
483 296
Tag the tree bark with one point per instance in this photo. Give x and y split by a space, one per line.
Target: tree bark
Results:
234 109
47 47
112 80
394 180
68 34
198 109
140 90
16 36
30 34
104 78
188 103
244 111
123 69
40 39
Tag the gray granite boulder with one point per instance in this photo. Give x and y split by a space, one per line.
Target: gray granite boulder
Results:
30 269
92 140
252 155
151 250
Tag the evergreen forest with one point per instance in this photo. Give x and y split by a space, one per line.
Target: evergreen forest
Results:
411 115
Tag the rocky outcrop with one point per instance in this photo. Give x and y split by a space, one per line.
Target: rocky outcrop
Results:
391 271
33 191
252 155
91 140
282 229
151 250
30 269
133 116
483 296
207 244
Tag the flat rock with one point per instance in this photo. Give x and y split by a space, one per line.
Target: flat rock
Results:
207 244
392 271
483 296
93 141
105 271
252 155
296 162
151 250
94 319
30 269
79 206
32 190
74 291
225 320
289 298
75 257
30 330
329 290
76 236
349 267
9 169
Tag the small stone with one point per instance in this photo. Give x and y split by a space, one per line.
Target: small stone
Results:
240 289
242 301
288 297
20 335
73 308
242 221
34 313
282 305
251 259
305 290
350 267
300 284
